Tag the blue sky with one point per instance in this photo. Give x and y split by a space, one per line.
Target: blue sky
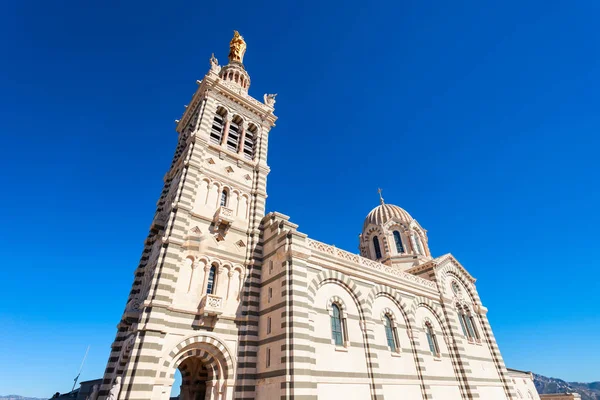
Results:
479 118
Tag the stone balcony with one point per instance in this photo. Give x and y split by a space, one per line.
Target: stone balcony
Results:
211 305
223 217
160 220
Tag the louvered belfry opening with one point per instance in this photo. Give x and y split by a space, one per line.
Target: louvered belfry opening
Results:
235 131
218 126
250 142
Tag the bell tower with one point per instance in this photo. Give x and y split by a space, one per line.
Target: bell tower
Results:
193 303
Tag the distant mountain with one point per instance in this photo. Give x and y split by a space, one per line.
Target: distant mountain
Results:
545 385
17 397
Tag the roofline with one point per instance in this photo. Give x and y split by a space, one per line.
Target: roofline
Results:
518 370
91 380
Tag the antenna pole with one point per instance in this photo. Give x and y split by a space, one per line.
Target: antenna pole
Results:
80 368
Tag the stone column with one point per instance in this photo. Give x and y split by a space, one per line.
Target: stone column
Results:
227 391
212 390
194 266
205 281
240 284
230 276
226 129
242 138
219 280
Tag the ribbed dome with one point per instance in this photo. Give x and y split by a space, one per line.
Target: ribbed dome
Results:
383 213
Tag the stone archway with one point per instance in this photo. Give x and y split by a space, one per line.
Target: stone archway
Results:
197 378
206 369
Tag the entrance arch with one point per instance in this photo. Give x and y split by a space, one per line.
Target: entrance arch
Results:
206 368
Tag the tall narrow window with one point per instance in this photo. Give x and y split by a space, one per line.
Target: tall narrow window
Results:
233 137
336 326
249 142
210 287
216 131
469 327
461 319
376 247
268 361
224 198
472 327
268 325
398 241
432 340
390 334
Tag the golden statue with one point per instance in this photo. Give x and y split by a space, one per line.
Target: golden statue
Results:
237 48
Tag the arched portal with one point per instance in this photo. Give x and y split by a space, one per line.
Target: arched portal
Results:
194 378
206 369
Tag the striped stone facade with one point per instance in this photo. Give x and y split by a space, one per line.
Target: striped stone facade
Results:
241 303
197 241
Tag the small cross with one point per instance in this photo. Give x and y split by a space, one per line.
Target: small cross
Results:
380 197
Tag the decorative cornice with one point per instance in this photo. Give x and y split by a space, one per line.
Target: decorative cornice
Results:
365 262
444 260
440 262
212 82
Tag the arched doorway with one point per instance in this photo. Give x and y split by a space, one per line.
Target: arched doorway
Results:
194 378
206 369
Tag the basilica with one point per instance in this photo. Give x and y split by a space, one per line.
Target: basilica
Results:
246 306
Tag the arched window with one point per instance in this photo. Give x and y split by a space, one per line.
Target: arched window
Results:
210 287
432 340
224 198
376 247
461 319
250 141
391 334
398 241
337 331
235 133
467 323
218 126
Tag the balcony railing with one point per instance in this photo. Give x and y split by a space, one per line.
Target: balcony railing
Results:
224 216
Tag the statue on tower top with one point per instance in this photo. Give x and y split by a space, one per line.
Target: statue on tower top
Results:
237 48
214 64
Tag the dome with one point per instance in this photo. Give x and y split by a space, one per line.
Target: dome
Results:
385 212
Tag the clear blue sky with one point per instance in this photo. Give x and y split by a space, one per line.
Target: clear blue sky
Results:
479 118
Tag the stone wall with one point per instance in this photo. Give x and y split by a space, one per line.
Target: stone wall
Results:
302 278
